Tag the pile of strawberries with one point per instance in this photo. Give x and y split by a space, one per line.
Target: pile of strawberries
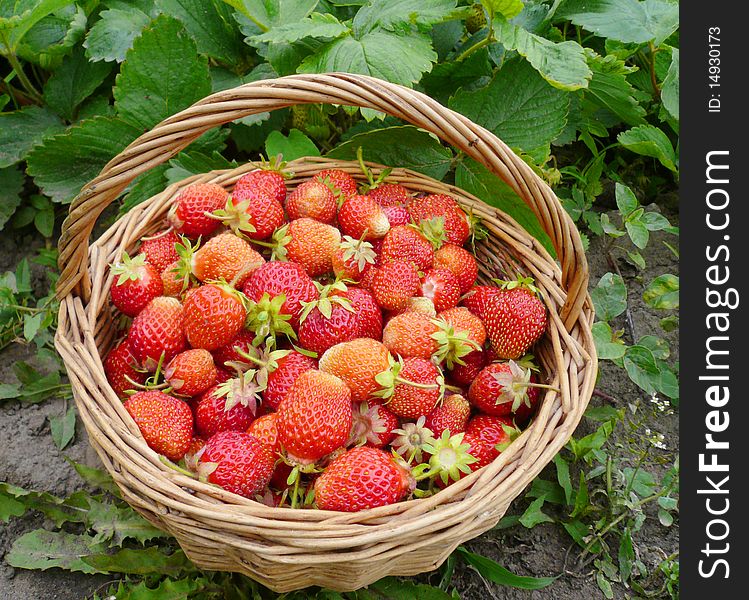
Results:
326 347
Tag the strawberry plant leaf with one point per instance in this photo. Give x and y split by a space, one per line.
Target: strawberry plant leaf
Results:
404 146
608 346
296 145
53 36
68 510
139 562
96 478
67 161
168 589
62 428
396 14
269 13
563 476
642 368
112 35
649 140
626 201
162 74
609 89
192 162
73 82
317 25
23 129
115 524
517 105
17 18
11 184
144 186
662 293
638 233
562 64
373 53
43 550
10 507
495 572
507 8
609 297
670 89
401 589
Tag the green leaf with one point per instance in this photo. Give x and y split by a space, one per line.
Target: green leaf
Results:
44 219
507 8
562 64
162 74
578 531
626 555
73 82
62 428
11 184
649 140
168 589
609 89
492 571
629 21
563 476
609 297
31 324
96 478
17 18
145 186
402 146
112 35
638 233
317 25
296 145
551 490
663 292
393 588
212 26
69 510
140 562
584 446
604 585
582 498
10 507
533 515
517 105
190 162
608 346
266 14
626 201
394 14
23 129
67 161
655 221
670 88
43 550
642 368
113 523
373 54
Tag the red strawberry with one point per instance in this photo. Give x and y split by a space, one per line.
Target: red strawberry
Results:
462 319
230 406
311 244
222 375
452 415
411 388
454 221
368 313
268 179
119 366
515 318
483 452
160 249
397 216
275 278
265 429
394 284
164 422
315 416
230 353
135 284
441 287
411 334
479 298
390 195
191 372
491 430
238 462
460 262
157 333
361 217
357 363
251 212
314 200
353 258
503 389
228 257
407 244
329 320
214 315
464 374
190 214
342 184
373 425
283 377
362 478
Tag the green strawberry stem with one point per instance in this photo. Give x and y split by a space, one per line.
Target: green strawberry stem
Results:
176 467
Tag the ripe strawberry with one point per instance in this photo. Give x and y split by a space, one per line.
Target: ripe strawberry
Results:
394 283
329 320
464 374
452 415
362 478
238 462
229 406
283 377
407 244
353 258
483 452
513 315
160 249
251 212
157 333
503 389
411 387
269 179
357 363
390 195
361 217
441 287
368 313
397 216
121 369
177 279
190 214
214 314
314 200
230 353
462 319
492 430
315 416
164 422
455 221
228 257
265 429
373 425
411 334
342 184
415 304
311 244
222 375
135 284
191 372
460 262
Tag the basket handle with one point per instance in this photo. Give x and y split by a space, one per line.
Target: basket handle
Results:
176 132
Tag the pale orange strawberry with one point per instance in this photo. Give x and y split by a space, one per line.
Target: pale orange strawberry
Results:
415 304
228 257
312 199
191 212
265 429
362 218
463 319
309 243
157 334
213 316
411 334
460 262
394 283
357 363
191 372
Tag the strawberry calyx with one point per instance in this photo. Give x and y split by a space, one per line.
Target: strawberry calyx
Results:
244 390
411 440
449 457
452 345
366 425
513 432
277 164
329 295
266 360
266 319
183 270
527 283
277 245
360 251
235 216
390 378
129 269
433 230
515 384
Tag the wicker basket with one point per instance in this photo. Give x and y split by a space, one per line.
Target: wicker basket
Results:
289 549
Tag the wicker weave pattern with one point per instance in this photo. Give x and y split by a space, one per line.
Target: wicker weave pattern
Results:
290 549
